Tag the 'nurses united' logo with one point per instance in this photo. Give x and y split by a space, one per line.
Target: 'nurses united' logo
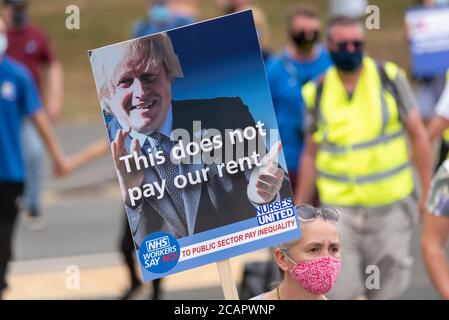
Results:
8 90
159 252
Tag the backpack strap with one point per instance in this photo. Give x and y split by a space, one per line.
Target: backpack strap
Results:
389 85
316 112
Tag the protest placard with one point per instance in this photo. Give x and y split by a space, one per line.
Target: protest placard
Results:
195 143
428 33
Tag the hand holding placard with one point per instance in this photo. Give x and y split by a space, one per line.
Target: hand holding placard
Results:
127 179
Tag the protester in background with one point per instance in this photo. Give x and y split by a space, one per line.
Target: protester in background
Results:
301 61
428 89
184 8
309 266
436 231
162 16
18 100
356 152
29 45
440 122
260 20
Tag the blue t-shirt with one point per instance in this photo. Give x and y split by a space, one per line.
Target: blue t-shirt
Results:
18 99
286 77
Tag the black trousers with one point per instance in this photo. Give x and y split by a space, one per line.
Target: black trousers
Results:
443 154
9 194
127 249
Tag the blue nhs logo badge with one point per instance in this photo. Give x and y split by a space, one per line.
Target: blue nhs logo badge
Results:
158 243
159 252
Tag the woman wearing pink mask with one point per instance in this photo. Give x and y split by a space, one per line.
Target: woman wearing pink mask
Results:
309 266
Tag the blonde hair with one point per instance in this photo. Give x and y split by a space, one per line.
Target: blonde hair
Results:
150 51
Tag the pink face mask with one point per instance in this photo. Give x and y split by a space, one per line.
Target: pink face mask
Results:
317 276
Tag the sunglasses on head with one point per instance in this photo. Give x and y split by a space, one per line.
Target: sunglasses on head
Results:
342 45
308 213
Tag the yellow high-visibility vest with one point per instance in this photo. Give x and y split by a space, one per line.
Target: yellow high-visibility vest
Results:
362 158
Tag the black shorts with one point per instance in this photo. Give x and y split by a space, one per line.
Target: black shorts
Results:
9 207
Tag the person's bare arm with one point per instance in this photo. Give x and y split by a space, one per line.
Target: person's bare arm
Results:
54 83
436 127
61 165
421 153
440 122
90 153
306 173
434 237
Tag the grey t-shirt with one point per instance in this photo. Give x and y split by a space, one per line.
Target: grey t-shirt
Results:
407 100
438 202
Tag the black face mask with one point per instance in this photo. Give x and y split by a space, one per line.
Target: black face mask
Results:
345 60
302 42
20 18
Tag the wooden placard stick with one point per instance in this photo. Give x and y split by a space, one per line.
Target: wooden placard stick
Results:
227 280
